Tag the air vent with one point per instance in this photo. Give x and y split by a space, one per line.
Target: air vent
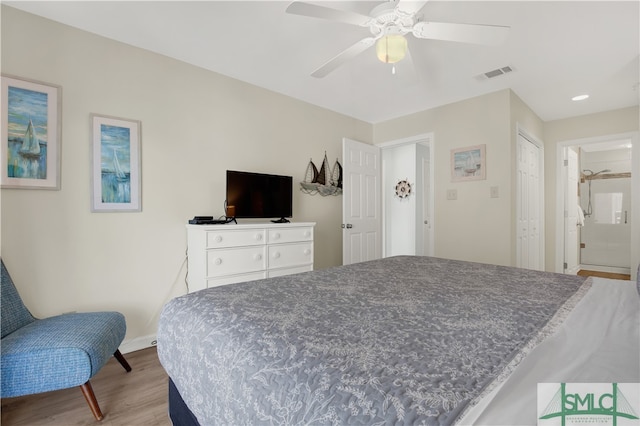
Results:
494 73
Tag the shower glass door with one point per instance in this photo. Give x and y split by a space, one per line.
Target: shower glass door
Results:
606 235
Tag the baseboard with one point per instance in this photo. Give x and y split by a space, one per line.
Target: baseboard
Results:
138 343
573 271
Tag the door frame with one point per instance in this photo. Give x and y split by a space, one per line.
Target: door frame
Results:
568 267
426 139
635 201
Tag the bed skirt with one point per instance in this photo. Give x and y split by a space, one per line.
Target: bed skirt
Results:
179 413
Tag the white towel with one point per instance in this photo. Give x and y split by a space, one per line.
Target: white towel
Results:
580 216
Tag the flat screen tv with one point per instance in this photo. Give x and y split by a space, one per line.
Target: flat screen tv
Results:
258 195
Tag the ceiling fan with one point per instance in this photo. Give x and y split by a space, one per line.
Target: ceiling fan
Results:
389 22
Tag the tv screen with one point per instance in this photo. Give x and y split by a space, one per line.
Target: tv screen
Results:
257 195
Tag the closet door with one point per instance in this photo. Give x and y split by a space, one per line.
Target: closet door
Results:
529 205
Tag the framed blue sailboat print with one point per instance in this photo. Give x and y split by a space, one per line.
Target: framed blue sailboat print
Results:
468 163
31 134
116 180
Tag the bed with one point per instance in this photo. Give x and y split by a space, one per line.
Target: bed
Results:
400 340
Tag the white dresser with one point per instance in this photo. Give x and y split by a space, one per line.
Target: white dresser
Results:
225 254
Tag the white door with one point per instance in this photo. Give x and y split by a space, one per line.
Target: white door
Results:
528 210
361 205
571 205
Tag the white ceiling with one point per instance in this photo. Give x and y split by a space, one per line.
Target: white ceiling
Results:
557 49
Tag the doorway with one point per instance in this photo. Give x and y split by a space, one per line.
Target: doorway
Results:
604 236
408 218
605 195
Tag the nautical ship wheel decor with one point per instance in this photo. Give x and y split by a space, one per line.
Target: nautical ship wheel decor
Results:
403 189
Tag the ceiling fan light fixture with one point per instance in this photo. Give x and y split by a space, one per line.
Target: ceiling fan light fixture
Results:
391 48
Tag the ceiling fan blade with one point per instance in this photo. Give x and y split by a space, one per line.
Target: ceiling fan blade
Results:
344 56
491 35
410 7
315 11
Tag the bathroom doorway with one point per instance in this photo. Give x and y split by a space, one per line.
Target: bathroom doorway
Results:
605 199
599 177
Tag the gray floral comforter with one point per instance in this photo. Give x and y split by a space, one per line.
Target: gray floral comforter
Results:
401 340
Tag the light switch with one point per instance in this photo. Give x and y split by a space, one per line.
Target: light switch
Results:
495 193
452 194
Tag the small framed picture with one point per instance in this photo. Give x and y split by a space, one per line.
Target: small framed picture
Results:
116 180
468 163
31 134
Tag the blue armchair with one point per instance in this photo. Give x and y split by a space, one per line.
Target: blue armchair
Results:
41 355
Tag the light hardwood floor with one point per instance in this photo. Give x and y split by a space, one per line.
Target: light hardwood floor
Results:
135 398
586 273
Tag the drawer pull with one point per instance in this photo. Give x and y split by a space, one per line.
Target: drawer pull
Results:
307 233
276 255
218 238
258 237
218 261
276 236
257 256
307 252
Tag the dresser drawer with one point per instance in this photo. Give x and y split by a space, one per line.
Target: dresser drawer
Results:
288 271
235 238
289 235
214 282
285 255
235 261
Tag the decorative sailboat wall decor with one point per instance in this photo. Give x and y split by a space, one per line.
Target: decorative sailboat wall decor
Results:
30 156
30 142
323 181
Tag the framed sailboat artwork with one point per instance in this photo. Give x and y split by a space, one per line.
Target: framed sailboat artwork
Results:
468 163
31 134
116 180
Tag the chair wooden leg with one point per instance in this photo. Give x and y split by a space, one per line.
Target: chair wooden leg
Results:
87 391
121 360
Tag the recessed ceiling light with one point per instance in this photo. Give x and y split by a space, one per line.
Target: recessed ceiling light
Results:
580 98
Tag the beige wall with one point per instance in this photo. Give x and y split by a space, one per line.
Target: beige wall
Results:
195 125
474 227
